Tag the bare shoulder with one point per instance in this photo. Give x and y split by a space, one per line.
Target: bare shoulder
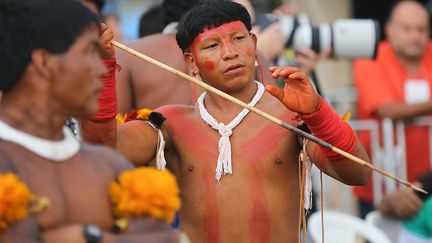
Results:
152 45
274 107
155 43
172 112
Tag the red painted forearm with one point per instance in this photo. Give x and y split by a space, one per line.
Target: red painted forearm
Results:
326 124
108 105
101 128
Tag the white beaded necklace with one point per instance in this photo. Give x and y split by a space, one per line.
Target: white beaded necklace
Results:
224 162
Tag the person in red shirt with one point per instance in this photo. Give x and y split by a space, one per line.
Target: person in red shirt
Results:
398 85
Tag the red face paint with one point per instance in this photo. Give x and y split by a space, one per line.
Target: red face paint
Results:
250 52
209 65
214 33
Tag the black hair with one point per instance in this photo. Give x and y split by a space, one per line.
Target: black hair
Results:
173 10
27 25
151 21
209 14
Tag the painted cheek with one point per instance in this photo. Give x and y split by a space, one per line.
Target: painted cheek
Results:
209 65
249 52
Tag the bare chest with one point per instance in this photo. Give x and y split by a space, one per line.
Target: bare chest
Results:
254 142
76 190
264 176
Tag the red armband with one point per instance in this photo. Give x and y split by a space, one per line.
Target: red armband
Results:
326 124
108 105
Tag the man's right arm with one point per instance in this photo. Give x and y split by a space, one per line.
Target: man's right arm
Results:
136 140
400 111
124 84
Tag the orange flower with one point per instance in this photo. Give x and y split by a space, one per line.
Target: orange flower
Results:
120 118
146 192
143 113
15 198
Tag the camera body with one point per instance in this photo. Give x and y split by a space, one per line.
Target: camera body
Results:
346 38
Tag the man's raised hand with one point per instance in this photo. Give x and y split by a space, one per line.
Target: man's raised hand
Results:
105 38
298 94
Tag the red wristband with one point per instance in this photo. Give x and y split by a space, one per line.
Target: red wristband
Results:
326 124
108 107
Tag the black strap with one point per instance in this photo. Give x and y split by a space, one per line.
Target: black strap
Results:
290 40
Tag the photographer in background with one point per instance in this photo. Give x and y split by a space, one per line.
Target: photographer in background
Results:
272 42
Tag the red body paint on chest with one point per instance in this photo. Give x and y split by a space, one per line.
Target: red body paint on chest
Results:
259 225
211 214
193 136
198 139
271 134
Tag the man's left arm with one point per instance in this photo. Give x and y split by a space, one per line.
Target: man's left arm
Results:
298 95
337 166
101 128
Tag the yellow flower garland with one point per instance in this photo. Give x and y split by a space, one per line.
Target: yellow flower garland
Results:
15 198
141 114
146 192
121 118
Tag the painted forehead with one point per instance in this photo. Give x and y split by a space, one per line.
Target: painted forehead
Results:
224 28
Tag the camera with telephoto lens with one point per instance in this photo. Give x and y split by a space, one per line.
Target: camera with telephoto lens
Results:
346 38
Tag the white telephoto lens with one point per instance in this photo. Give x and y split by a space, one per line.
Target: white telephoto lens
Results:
302 38
355 38
325 37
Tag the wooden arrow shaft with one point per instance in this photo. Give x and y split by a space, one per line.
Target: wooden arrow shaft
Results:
263 114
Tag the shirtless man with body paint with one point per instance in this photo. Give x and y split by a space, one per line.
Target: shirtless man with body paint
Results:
259 200
50 70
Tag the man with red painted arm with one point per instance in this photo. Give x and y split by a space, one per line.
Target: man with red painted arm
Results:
248 189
